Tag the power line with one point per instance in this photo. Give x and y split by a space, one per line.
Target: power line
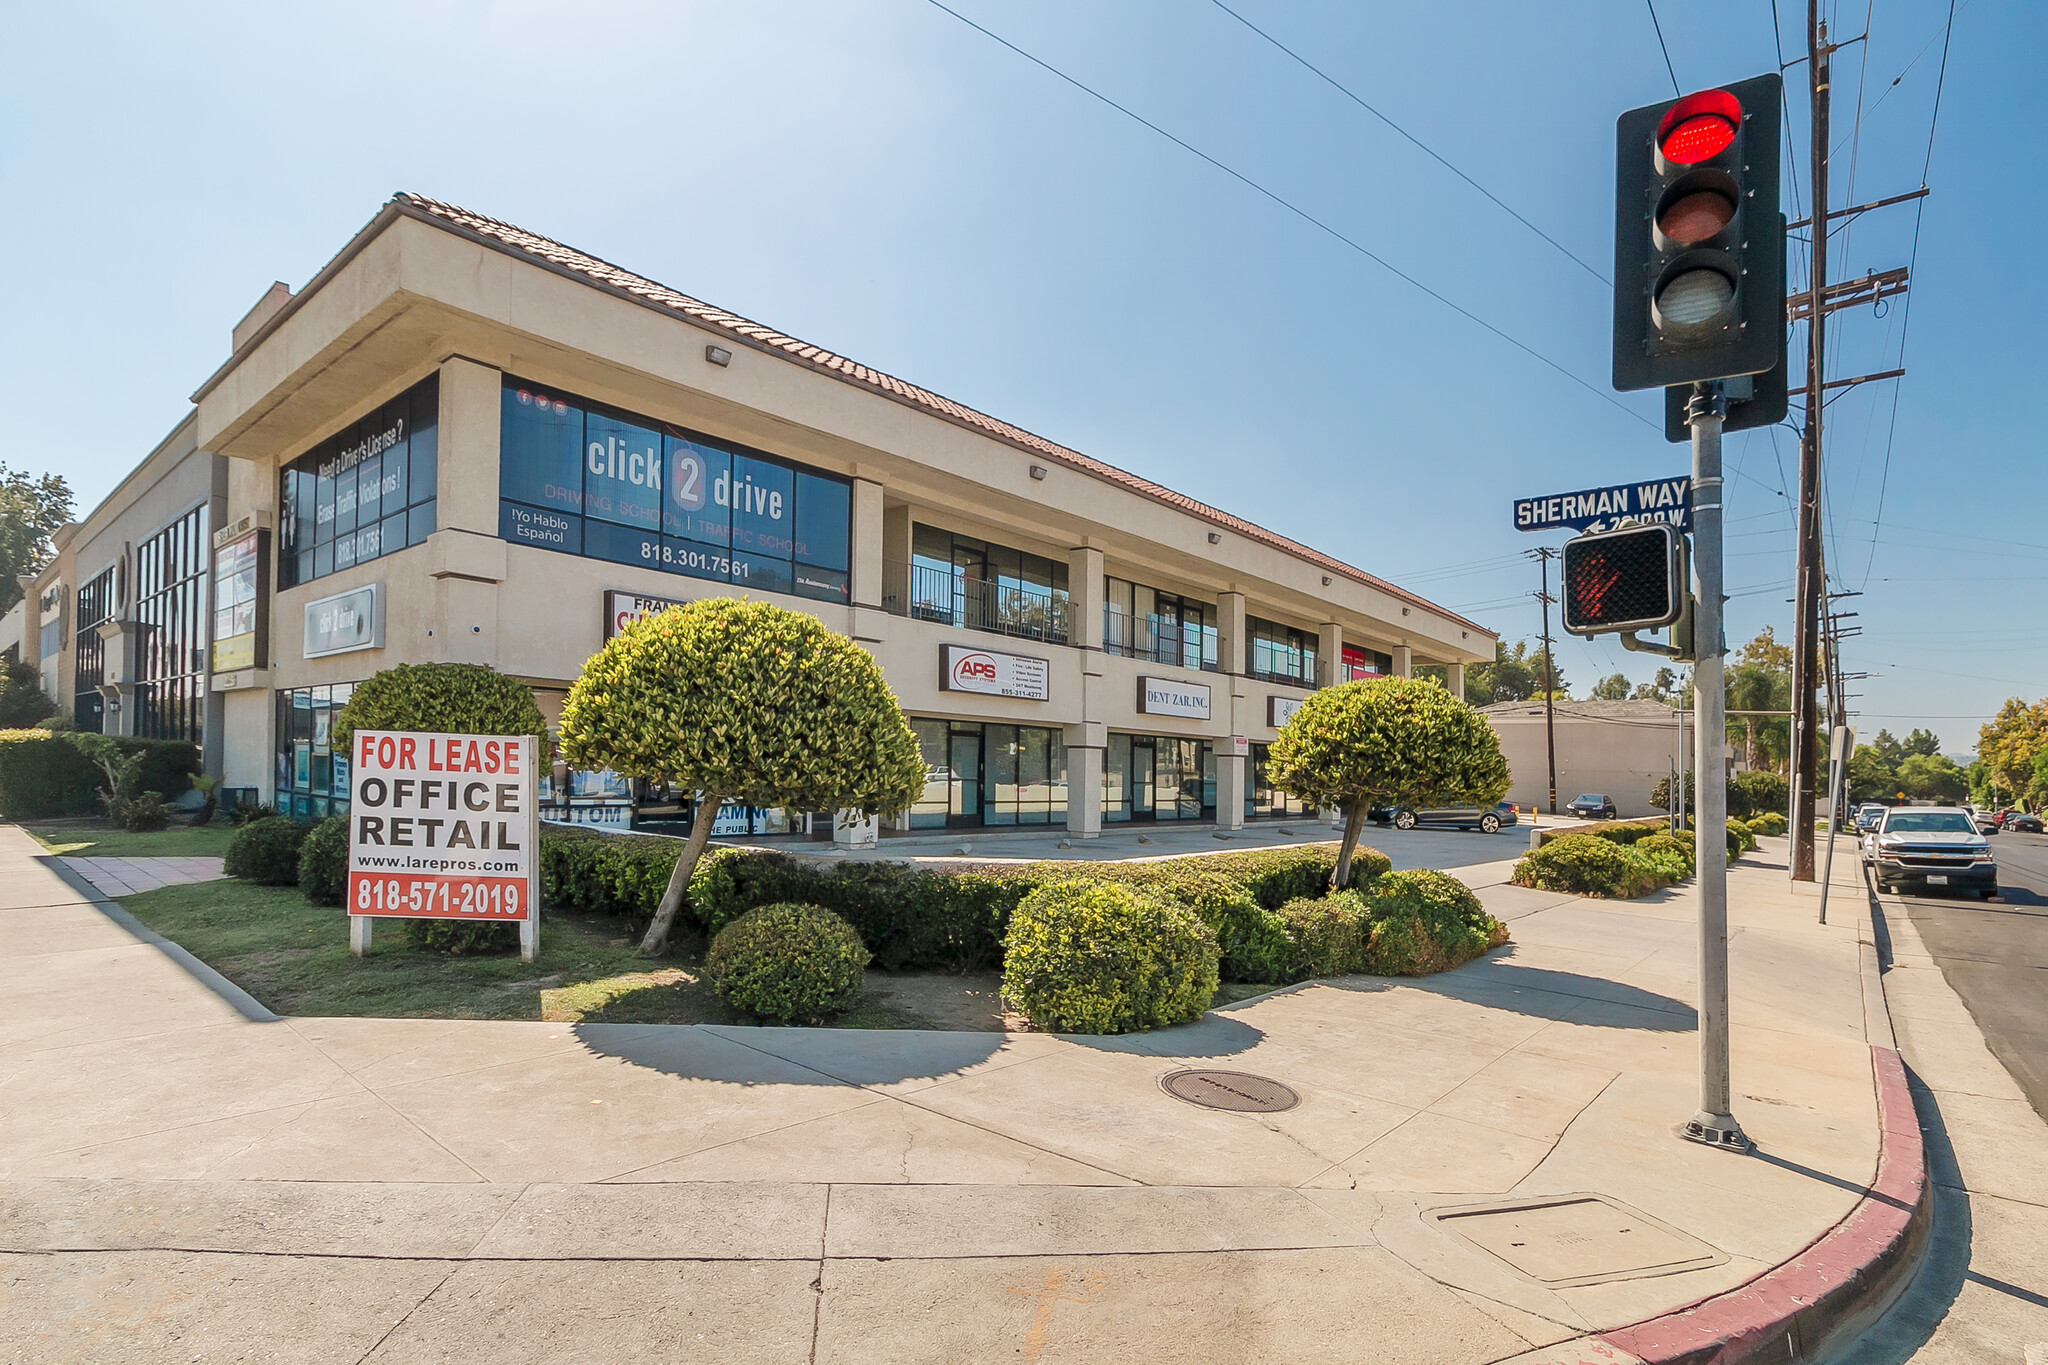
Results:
1652 4
1349 94
1302 214
1912 261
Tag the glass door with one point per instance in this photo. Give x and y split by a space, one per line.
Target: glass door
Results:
964 801
1141 779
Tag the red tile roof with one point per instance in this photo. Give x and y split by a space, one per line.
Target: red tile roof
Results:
567 260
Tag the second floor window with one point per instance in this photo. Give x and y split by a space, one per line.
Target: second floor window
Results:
1144 623
1280 653
974 585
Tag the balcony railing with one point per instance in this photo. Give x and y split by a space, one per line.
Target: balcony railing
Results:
933 593
1142 637
1281 666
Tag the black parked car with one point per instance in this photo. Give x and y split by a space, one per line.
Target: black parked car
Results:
1456 817
2019 822
1593 806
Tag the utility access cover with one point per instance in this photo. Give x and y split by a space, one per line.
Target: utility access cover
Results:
1577 1239
1234 1090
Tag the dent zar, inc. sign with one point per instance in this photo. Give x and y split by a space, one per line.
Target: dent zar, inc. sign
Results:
994 673
442 826
1172 697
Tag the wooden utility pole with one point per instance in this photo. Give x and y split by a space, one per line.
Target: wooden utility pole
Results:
1806 628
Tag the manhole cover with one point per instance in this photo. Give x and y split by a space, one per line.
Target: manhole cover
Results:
1578 1239
1234 1090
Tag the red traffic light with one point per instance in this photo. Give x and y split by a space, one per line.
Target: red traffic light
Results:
1699 127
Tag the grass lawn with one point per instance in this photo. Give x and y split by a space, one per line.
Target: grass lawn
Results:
97 839
293 956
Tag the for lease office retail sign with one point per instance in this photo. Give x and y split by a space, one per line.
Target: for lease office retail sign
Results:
442 826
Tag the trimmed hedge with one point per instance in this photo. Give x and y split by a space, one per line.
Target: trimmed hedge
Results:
323 861
266 852
794 963
1587 865
43 774
461 937
1328 935
468 699
1096 957
1425 922
1624 833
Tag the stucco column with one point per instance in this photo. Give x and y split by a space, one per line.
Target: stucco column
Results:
868 542
1330 654
1404 661
1232 771
1084 792
1084 601
466 497
1454 679
1230 635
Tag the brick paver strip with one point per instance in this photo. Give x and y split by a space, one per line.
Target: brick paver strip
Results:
1847 1277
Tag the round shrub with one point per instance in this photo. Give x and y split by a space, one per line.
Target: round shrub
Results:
795 963
1094 957
1329 933
266 852
1427 922
462 937
1251 942
1663 845
323 861
463 699
1581 864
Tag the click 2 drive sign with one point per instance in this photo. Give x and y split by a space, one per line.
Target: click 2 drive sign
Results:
443 827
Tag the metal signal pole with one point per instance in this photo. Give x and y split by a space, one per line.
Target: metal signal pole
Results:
1806 631
1544 553
1714 1123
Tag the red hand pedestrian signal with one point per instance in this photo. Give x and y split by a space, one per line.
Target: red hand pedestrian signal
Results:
1622 580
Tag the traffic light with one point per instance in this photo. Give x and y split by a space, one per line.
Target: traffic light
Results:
1632 578
1754 400
1699 248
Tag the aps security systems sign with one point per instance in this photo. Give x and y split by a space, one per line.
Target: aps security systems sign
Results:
1603 509
994 673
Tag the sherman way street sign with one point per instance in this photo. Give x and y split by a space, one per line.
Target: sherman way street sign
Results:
1603 509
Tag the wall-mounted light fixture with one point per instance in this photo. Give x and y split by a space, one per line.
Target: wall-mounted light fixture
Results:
1038 471
1326 580
1404 611
1215 538
718 355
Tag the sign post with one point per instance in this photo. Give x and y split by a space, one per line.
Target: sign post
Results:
443 826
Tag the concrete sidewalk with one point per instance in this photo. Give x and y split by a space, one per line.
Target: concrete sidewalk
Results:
179 1180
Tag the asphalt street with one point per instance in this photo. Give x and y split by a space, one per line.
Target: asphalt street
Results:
1995 956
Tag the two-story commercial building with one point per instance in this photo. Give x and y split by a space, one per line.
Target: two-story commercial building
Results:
462 441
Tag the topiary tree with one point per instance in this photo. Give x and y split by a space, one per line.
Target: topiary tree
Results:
742 701
1392 741
458 699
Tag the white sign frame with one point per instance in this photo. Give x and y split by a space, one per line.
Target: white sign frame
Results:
399 765
622 608
1156 697
376 636
994 673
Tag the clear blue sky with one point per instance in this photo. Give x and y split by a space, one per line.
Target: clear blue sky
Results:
881 179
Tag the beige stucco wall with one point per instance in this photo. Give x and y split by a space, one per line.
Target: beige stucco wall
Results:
1620 757
413 299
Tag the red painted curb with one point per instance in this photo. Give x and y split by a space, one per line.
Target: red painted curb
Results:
1847 1277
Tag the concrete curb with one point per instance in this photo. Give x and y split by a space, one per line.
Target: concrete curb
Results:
245 1004
1832 1290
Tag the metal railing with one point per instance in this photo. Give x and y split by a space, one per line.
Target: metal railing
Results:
1286 666
933 593
1140 637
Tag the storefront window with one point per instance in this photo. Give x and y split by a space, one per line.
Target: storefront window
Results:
171 615
1261 797
1158 777
89 659
993 775
582 479
312 777
364 492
